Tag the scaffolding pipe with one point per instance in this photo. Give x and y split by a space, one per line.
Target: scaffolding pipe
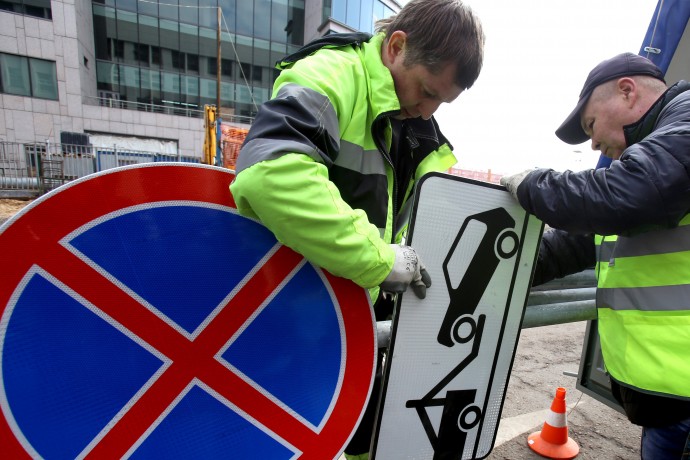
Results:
566 300
535 316
560 296
559 313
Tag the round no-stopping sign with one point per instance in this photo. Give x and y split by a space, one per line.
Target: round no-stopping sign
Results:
142 317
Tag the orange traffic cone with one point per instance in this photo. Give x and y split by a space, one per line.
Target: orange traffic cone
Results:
553 441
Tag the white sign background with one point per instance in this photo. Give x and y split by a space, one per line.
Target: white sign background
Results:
420 370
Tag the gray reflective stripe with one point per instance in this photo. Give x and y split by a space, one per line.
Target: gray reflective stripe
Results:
656 298
605 250
355 158
654 242
283 136
257 150
316 103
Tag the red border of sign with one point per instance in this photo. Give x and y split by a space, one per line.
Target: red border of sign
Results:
32 238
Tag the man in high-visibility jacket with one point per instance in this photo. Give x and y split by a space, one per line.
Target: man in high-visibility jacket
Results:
331 160
638 208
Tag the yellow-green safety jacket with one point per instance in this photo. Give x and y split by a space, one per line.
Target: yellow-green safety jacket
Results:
643 304
316 166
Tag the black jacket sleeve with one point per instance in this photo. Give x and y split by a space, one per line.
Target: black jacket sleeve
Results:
562 254
648 186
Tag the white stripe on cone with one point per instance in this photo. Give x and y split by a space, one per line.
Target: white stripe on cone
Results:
556 420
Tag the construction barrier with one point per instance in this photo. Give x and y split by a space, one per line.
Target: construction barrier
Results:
232 138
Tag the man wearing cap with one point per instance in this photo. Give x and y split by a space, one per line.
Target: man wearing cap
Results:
631 221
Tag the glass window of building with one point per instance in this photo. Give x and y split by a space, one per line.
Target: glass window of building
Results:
189 12
170 49
208 14
149 8
246 71
43 79
339 10
245 18
359 14
353 14
177 60
193 63
35 8
262 11
130 5
23 76
169 10
141 53
381 10
366 21
280 24
118 49
225 67
15 75
155 56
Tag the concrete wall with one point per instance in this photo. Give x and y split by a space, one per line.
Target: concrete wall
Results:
313 17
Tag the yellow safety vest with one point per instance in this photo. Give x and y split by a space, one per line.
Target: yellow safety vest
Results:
643 305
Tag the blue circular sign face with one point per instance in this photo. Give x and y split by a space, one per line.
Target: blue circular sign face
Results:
142 316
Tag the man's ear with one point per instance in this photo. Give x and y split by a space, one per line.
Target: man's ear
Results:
627 87
395 46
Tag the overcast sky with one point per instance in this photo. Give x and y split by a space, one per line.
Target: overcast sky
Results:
537 56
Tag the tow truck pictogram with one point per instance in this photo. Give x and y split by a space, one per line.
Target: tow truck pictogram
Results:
461 413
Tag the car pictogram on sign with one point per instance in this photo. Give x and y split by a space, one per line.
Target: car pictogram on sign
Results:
498 241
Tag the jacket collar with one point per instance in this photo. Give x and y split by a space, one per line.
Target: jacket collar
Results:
328 41
382 96
637 131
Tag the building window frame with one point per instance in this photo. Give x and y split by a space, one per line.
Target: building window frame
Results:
39 76
31 8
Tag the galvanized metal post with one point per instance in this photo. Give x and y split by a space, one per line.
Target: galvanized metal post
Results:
566 300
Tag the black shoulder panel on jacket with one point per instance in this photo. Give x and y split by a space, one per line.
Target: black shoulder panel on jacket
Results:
332 40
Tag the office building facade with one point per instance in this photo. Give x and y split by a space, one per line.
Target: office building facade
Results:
138 73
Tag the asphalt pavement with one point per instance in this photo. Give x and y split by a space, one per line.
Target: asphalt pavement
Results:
544 358
547 357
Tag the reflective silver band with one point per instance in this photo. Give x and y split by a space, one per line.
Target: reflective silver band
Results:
355 158
656 298
654 242
318 104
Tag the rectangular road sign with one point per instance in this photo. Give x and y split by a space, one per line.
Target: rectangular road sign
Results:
450 355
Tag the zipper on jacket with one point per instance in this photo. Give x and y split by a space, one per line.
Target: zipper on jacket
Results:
381 145
413 144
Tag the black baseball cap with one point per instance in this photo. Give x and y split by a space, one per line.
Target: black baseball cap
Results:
622 65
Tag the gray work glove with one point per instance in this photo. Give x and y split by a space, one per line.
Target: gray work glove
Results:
513 182
407 270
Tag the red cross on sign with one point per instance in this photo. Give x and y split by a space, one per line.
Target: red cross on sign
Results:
141 315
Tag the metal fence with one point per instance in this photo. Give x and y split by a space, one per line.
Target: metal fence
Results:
173 108
31 169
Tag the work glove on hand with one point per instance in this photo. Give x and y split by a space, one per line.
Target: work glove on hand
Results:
407 270
513 182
